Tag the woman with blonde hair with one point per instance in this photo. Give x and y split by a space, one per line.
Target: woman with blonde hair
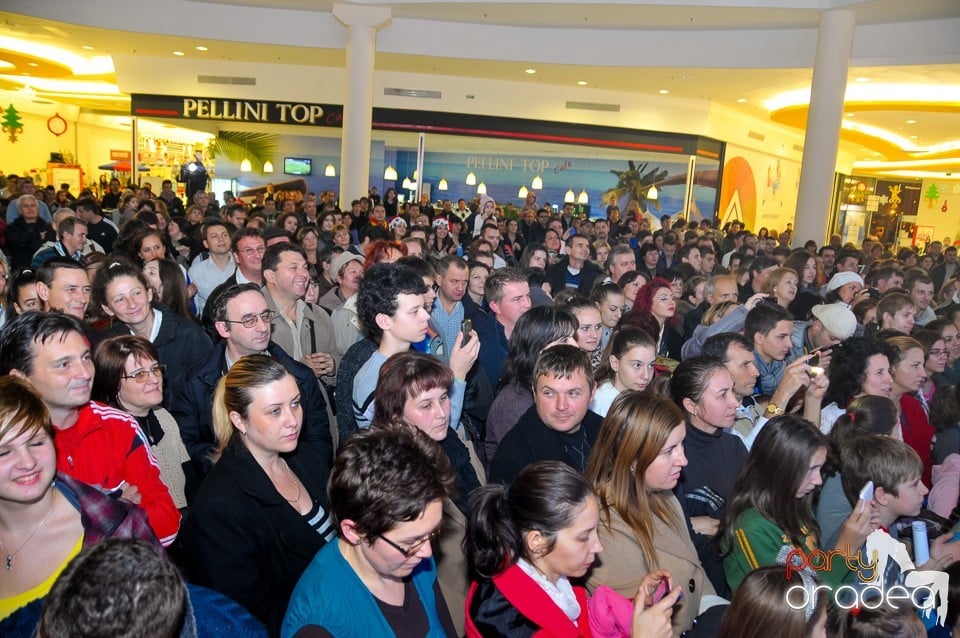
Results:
782 285
634 466
263 506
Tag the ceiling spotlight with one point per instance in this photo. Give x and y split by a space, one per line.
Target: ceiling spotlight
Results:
33 64
850 115
87 47
862 80
529 71
741 100
911 121
582 82
178 53
663 91
201 48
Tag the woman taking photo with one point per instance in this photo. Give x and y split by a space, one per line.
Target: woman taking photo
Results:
635 465
906 368
387 490
122 292
129 378
263 506
770 512
414 390
46 518
628 364
656 300
526 543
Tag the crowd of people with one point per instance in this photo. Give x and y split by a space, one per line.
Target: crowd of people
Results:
436 419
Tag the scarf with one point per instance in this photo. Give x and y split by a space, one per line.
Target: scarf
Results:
466 478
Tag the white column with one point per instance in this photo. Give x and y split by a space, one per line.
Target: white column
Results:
834 47
362 24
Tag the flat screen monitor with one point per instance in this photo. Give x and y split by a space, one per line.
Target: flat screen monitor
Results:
297 166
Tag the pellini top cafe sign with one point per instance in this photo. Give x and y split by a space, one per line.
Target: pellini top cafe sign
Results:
232 110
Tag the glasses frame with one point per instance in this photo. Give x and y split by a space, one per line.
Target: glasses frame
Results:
140 376
410 550
267 317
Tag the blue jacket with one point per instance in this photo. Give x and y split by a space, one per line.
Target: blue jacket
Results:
493 346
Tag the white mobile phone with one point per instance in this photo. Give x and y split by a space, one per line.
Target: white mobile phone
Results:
866 494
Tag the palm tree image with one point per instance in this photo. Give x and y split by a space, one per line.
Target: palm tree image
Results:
239 145
634 184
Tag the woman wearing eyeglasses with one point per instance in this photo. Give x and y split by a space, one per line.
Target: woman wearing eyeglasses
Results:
129 378
261 513
123 293
387 490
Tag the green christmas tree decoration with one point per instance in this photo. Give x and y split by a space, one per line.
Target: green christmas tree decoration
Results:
932 195
12 125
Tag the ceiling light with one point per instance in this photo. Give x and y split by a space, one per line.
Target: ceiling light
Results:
77 63
330 171
407 184
481 189
442 186
178 53
569 197
201 48
913 137
911 121
268 167
537 183
33 64
471 179
850 115
583 197
741 100
862 80
390 173
245 166
523 192
87 47
582 82
67 86
653 193
529 71
663 91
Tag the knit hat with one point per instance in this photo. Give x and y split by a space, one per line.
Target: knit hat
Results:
483 201
838 320
842 279
440 221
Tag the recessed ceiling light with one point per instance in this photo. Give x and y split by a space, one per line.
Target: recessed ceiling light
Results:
529 71
913 137
911 121
582 82
663 91
741 100
850 115
862 80
201 48
178 53
87 47
33 64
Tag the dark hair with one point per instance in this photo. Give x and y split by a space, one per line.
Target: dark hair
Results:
271 258
48 270
218 310
110 358
535 329
763 318
211 222
404 376
120 587
880 622
528 251
498 279
848 367
385 476
240 233
563 361
758 605
20 279
176 295
772 475
866 415
620 342
545 497
887 462
380 287
945 407
690 378
33 328
420 265
718 345
22 411
112 271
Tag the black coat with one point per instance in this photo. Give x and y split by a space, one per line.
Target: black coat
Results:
193 400
557 276
531 440
23 240
242 539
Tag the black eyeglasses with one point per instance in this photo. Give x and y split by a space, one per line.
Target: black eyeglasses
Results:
140 376
267 317
410 550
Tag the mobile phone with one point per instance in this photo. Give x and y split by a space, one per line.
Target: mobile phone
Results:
866 494
814 360
662 590
573 231
466 327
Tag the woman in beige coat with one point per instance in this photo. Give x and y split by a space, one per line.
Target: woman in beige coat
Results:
635 464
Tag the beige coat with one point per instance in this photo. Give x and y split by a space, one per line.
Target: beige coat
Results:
621 565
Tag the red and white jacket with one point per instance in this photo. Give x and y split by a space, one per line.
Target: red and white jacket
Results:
105 448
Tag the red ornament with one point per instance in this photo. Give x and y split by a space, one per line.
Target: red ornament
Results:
57 125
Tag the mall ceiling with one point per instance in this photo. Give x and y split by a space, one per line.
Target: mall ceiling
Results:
58 52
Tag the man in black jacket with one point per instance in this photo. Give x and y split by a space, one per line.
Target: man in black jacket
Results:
575 270
236 307
559 426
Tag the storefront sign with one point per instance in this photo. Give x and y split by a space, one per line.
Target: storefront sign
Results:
232 110
118 155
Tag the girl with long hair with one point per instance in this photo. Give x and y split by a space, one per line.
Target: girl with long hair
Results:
906 368
935 355
860 366
770 512
656 300
634 467
627 365
766 599
170 289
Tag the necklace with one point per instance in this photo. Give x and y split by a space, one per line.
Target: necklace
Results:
12 555
296 482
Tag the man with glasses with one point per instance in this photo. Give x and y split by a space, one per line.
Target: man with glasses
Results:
242 320
96 444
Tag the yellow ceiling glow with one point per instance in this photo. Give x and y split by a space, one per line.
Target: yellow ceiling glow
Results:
80 65
66 86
